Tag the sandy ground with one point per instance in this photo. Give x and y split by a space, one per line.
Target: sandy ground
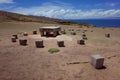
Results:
71 63
59 37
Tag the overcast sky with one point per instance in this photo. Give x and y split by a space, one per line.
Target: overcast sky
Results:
64 9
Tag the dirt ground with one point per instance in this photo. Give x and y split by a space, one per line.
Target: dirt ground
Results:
71 63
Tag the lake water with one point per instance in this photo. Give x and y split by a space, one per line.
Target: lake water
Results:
101 22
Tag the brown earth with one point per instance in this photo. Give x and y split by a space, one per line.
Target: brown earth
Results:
71 63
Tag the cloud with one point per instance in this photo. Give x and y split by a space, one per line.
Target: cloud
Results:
111 4
6 1
67 13
108 4
62 10
3 7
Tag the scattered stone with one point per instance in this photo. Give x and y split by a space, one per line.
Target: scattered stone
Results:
107 35
91 30
84 37
14 35
81 42
72 29
23 42
25 34
13 39
60 43
73 33
83 32
97 61
39 43
34 32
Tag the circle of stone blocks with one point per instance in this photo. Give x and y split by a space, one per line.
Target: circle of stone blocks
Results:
81 42
25 34
60 43
13 39
97 61
34 32
23 41
14 35
107 35
39 43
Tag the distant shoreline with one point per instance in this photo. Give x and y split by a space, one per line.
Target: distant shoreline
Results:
115 23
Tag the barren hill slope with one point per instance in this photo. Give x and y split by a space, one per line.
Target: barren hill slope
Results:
9 16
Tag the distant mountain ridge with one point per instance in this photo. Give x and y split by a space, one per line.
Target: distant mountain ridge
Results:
9 16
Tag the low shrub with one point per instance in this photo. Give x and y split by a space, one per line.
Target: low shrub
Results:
53 50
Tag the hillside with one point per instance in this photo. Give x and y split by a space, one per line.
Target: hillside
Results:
9 16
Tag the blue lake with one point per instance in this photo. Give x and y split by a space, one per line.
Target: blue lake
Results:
101 22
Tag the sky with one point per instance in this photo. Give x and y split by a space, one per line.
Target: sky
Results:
64 9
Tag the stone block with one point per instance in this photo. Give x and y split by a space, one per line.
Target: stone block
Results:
81 42
83 35
13 39
23 42
15 35
73 33
60 43
91 30
39 43
97 61
25 34
84 38
107 35
72 29
34 32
